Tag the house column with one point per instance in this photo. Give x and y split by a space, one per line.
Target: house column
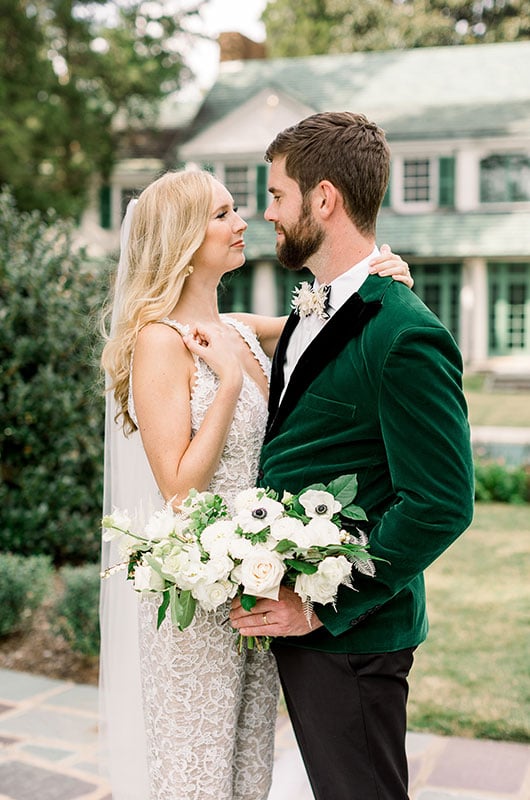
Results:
264 289
474 312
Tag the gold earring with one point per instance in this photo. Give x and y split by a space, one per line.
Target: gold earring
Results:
189 270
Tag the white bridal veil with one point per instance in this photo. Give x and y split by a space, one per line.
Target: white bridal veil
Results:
129 485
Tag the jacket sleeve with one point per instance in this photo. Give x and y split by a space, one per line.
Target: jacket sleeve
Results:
423 422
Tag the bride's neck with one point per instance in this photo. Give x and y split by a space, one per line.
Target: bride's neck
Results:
197 302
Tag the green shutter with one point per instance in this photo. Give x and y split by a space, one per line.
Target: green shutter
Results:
386 198
105 217
262 197
446 198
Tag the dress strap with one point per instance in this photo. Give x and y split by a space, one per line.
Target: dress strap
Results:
252 341
178 326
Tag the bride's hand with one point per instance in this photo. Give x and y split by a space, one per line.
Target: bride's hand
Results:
389 263
214 345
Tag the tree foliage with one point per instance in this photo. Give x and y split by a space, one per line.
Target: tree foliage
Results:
70 70
313 27
51 404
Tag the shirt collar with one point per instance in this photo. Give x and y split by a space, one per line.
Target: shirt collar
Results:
349 282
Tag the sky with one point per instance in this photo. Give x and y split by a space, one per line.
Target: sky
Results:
225 15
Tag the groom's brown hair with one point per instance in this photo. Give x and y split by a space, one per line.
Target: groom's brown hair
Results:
341 147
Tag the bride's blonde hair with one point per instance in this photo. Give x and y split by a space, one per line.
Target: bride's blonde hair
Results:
168 226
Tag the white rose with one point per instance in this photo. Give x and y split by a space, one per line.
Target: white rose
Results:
190 575
319 504
239 547
321 531
218 568
261 573
178 560
212 595
217 537
290 528
322 585
147 580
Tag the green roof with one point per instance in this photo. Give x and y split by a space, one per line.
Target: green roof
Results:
437 235
428 92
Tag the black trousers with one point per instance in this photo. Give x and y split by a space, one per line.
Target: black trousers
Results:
349 716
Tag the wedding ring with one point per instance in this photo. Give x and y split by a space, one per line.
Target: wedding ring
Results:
265 620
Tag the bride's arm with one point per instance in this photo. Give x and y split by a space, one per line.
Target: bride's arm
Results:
163 374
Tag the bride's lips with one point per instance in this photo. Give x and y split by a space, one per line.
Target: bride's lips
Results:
239 243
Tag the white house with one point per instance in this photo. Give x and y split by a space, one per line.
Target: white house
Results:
458 206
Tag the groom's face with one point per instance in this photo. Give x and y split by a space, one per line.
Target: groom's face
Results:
298 235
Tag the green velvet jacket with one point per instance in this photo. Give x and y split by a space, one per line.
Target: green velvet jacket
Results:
378 393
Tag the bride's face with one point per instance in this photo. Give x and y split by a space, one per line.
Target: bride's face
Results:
223 245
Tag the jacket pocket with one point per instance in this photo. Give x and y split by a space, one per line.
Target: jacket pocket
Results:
324 405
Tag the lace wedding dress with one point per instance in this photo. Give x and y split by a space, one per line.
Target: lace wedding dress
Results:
209 711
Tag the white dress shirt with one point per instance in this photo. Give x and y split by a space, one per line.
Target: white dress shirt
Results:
308 327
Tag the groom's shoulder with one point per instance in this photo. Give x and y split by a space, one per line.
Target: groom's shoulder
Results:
400 307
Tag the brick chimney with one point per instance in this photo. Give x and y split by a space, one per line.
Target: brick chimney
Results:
236 47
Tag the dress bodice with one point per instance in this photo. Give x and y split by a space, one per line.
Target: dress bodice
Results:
239 462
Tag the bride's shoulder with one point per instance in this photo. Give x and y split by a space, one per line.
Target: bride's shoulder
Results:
165 335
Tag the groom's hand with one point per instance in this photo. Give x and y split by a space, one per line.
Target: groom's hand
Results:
282 617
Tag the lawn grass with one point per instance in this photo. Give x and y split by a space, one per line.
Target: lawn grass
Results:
510 409
471 676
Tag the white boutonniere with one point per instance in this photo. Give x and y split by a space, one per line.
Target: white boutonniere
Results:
307 301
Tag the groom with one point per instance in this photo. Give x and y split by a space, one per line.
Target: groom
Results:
371 385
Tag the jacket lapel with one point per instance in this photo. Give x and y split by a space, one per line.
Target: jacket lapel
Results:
346 324
277 377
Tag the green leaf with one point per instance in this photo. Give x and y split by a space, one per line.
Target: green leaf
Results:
162 608
154 564
284 545
354 512
343 489
248 601
301 566
187 604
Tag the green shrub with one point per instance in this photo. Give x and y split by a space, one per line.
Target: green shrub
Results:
24 582
495 482
51 408
75 613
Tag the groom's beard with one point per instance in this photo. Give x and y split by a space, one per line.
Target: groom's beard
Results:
300 242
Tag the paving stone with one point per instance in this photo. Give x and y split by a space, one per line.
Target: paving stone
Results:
47 753
83 698
20 685
52 725
481 766
21 781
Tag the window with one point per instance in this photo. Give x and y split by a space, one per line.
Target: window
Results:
237 183
235 291
509 308
419 185
438 285
417 181
505 178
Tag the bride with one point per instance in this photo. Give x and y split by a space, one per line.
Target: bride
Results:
185 716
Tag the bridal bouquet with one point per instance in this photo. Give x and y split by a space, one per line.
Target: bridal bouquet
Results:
202 555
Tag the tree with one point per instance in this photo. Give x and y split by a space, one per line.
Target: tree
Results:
51 394
312 27
69 69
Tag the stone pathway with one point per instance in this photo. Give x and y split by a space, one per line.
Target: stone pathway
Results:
49 751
